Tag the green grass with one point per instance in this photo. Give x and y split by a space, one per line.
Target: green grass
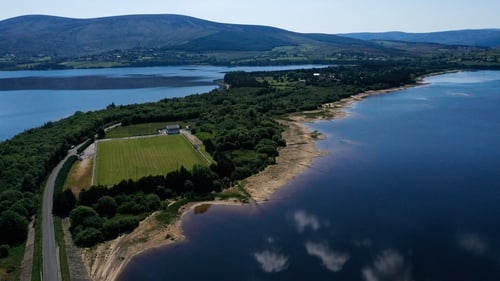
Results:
204 135
63 256
170 213
238 193
137 130
135 158
36 272
280 85
10 267
92 64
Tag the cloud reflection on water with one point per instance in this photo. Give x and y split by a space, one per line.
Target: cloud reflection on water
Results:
363 243
472 243
271 261
388 266
304 220
332 260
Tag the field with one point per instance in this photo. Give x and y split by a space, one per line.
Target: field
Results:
137 130
135 158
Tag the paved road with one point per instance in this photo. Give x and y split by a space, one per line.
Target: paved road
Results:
51 268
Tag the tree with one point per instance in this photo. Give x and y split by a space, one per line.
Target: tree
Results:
203 178
28 183
175 179
209 145
14 228
153 202
188 186
29 204
90 197
101 133
88 237
114 227
11 196
224 166
106 206
130 207
4 251
19 208
86 217
64 202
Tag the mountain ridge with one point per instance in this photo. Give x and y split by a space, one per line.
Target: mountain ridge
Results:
488 37
27 35
50 42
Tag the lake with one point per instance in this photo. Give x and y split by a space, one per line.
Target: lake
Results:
31 98
410 190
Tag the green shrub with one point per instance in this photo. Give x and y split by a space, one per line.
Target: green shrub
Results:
88 237
4 251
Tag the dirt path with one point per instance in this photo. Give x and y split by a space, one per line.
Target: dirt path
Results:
196 142
27 265
77 270
81 174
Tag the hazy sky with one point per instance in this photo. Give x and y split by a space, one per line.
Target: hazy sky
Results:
324 16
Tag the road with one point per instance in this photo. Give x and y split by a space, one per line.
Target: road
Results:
51 268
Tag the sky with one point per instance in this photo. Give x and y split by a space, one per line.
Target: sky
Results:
311 16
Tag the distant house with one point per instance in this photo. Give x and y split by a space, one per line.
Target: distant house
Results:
173 129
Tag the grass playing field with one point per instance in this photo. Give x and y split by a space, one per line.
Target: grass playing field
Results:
138 130
135 158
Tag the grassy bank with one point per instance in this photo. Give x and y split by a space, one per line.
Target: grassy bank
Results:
63 257
138 130
10 267
36 273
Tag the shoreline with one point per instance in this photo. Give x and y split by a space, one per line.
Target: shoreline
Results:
106 261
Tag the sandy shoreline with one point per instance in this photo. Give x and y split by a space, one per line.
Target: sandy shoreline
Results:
105 261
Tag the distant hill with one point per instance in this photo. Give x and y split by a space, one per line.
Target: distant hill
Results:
66 37
479 37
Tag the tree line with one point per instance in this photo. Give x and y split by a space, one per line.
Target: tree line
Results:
102 212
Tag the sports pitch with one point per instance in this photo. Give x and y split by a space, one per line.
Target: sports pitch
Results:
124 159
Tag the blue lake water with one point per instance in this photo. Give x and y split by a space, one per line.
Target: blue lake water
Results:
29 106
410 190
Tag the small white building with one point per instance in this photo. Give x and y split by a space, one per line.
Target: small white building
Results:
173 129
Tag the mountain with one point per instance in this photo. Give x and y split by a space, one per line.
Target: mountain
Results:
478 37
38 35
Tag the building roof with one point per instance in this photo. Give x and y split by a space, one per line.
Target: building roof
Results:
173 127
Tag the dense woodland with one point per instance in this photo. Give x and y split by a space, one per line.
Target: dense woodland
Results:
237 126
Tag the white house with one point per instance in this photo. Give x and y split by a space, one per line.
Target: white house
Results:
173 129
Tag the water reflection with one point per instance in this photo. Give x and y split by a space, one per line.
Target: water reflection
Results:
201 209
332 260
388 266
304 220
472 243
271 261
363 243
